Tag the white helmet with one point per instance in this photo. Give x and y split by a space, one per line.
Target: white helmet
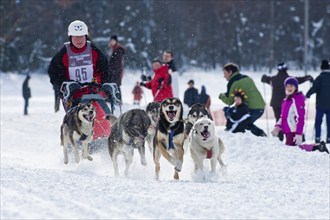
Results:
77 28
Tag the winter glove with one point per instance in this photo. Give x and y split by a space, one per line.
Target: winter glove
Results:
142 84
298 139
226 111
263 78
276 131
310 78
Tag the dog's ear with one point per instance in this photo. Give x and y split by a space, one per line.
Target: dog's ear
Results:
148 106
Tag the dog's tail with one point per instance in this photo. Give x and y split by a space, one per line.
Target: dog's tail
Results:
62 141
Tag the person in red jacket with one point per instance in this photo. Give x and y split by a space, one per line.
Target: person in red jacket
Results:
137 94
79 60
160 84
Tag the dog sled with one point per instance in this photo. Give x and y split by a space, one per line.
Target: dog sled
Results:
96 94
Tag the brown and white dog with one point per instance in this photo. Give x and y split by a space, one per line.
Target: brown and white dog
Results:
204 143
78 126
169 136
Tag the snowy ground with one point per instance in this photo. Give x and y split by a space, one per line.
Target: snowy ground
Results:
265 180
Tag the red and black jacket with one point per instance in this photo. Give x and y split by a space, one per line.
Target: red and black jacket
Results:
58 69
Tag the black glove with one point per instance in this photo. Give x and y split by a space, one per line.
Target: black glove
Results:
310 78
263 78
142 84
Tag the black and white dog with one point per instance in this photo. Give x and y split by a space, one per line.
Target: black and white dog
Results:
196 112
128 132
78 126
152 110
169 136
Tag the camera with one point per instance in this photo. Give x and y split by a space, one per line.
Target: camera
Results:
145 77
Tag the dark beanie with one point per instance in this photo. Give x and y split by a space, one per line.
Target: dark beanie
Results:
282 67
114 37
292 81
325 65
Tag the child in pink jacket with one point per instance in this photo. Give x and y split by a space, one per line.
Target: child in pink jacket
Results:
293 118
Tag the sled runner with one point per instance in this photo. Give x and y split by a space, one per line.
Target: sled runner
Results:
96 94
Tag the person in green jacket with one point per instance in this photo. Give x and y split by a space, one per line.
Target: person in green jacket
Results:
255 102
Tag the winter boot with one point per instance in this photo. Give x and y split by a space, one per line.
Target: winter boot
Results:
317 140
321 147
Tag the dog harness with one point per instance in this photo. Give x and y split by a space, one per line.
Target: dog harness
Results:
209 154
170 139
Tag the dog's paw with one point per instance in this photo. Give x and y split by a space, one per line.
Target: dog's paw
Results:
66 161
178 166
144 162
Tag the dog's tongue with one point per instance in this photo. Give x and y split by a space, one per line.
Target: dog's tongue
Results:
206 134
89 117
171 114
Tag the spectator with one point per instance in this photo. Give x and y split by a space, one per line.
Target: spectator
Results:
160 84
238 117
292 118
26 94
191 94
116 62
168 59
137 94
278 90
255 101
204 98
321 86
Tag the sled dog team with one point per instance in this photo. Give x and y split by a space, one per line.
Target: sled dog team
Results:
161 125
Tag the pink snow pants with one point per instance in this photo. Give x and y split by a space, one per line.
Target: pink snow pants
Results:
290 142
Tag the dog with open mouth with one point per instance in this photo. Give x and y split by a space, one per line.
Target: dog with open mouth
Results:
196 112
127 133
205 144
169 135
77 126
152 110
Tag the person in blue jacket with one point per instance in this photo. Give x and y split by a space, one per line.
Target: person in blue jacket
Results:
321 86
191 94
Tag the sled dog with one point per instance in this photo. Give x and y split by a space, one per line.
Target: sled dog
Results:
128 132
204 143
152 110
196 112
169 135
78 126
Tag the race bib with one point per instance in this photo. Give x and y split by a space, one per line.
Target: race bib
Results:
81 73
